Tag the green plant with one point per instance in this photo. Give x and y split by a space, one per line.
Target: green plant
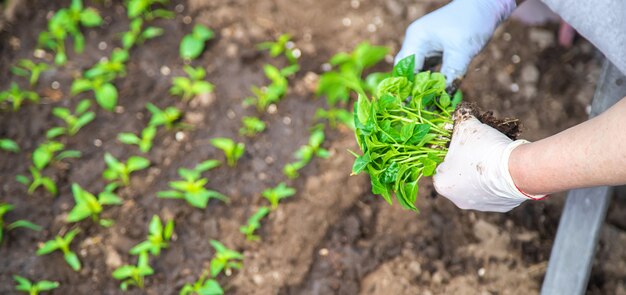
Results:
4 227
25 285
251 126
282 45
335 116
88 205
142 8
224 259
188 88
17 96
403 131
134 275
74 122
99 79
273 92
50 151
167 117
9 145
202 286
62 243
254 222
276 194
119 172
192 44
232 150
136 34
37 180
158 237
305 153
28 68
144 142
192 186
66 22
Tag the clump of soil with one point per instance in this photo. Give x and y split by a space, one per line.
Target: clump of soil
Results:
508 126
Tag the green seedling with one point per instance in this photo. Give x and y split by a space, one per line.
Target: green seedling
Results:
188 88
349 67
134 275
26 286
232 150
159 237
251 126
119 172
282 45
9 145
30 69
144 142
88 205
142 8
202 286
37 181
336 116
305 154
193 44
5 227
276 194
192 186
73 122
52 151
137 34
254 222
99 79
166 117
225 259
66 22
403 131
273 92
63 244
17 96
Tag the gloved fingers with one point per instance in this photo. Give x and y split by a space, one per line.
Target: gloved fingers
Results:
454 64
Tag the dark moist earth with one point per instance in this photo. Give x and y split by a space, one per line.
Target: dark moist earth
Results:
334 236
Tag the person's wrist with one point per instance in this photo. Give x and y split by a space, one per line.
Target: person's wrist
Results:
519 168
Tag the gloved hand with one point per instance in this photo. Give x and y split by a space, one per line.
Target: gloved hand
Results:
458 30
475 173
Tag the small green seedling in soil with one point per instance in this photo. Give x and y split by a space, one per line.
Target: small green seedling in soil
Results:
188 88
37 180
202 286
5 227
282 45
159 237
30 69
193 44
52 151
9 145
232 150
26 286
166 117
17 96
273 92
254 222
119 172
276 194
224 260
66 22
142 8
305 153
99 79
336 116
63 244
192 187
134 275
137 35
251 126
73 122
88 205
144 142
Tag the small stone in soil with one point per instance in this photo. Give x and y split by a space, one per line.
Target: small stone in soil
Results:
355 4
179 8
323 252
346 21
272 109
481 272
187 20
119 109
102 45
286 120
55 85
230 114
180 136
515 59
165 71
97 142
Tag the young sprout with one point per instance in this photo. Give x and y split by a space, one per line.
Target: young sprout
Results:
188 88
28 68
134 275
192 187
119 172
336 116
254 222
251 126
142 8
37 180
99 79
158 237
224 259
233 151
276 194
63 244
167 117
108 69
26 286
305 154
273 92
50 151
5 227
135 34
192 44
282 45
88 205
17 96
73 122
202 286
144 142
9 145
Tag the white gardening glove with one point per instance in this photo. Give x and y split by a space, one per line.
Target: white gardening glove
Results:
458 30
475 173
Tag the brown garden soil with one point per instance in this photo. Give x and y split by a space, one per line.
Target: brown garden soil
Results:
334 236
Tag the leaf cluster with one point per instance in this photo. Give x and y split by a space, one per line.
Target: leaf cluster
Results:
192 187
25 285
188 88
88 205
192 45
4 227
203 286
232 150
137 34
62 243
17 96
144 142
254 223
9 145
273 92
134 275
305 153
73 122
282 45
166 117
99 79
251 126
119 172
159 237
143 9
276 194
225 259
31 69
